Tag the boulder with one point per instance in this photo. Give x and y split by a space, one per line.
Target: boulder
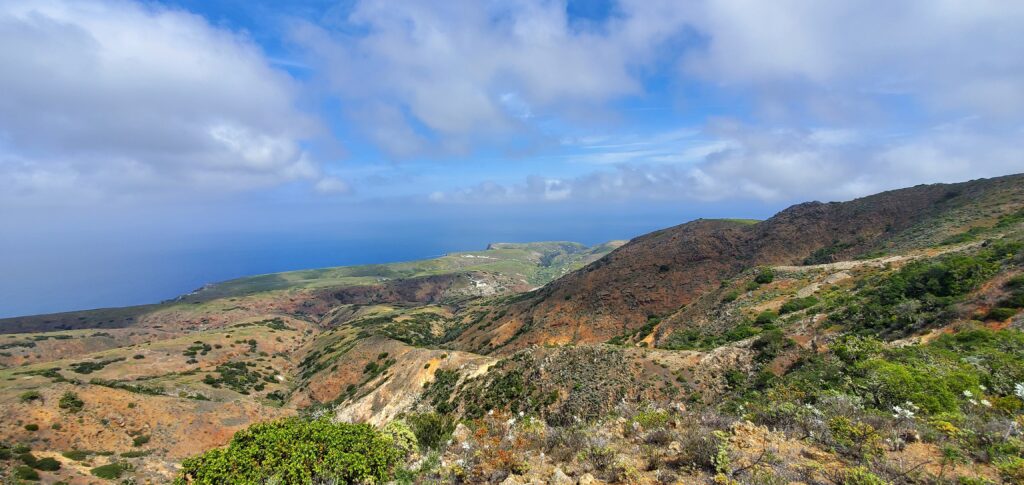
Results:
560 478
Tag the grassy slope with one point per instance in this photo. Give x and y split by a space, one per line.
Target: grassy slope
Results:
535 263
538 263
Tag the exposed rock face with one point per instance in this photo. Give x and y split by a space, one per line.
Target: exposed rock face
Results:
397 390
660 272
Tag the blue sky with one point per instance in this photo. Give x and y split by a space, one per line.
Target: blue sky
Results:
149 147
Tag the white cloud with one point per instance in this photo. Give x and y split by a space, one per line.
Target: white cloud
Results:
781 165
948 54
112 96
467 69
332 185
454 75
106 98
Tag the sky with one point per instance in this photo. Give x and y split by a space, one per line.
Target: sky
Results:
150 147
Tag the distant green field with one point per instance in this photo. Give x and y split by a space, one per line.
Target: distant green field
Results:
538 263
747 222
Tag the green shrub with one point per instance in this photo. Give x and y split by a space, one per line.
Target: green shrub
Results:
1000 314
431 429
697 339
237 376
1015 300
770 344
858 439
797 304
28 458
135 454
140 440
827 254
25 473
651 418
894 383
90 366
76 455
296 450
47 464
1011 469
765 276
966 236
32 427
766 317
730 296
30 396
111 471
70 402
1015 283
402 437
861 476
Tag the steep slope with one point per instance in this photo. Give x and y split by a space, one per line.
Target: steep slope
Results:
659 273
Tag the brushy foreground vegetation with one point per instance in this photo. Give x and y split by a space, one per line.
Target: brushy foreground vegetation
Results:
297 450
931 413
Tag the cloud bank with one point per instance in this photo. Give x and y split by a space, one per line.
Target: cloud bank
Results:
776 165
104 98
116 98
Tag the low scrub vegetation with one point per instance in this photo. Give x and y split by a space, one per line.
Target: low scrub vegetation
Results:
922 293
297 450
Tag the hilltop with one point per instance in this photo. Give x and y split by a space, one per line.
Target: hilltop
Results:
863 342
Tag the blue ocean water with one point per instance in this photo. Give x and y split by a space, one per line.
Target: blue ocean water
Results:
53 266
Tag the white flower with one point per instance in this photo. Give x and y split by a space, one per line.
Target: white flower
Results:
510 421
465 445
968 394
984 402
1019 390
813 410
973 402
899 412
982 387
490 412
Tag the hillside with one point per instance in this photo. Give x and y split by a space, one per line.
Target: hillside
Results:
657 274
865 342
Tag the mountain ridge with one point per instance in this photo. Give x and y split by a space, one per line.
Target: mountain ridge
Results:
694 257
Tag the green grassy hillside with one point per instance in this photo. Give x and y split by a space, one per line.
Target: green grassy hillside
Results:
536 263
